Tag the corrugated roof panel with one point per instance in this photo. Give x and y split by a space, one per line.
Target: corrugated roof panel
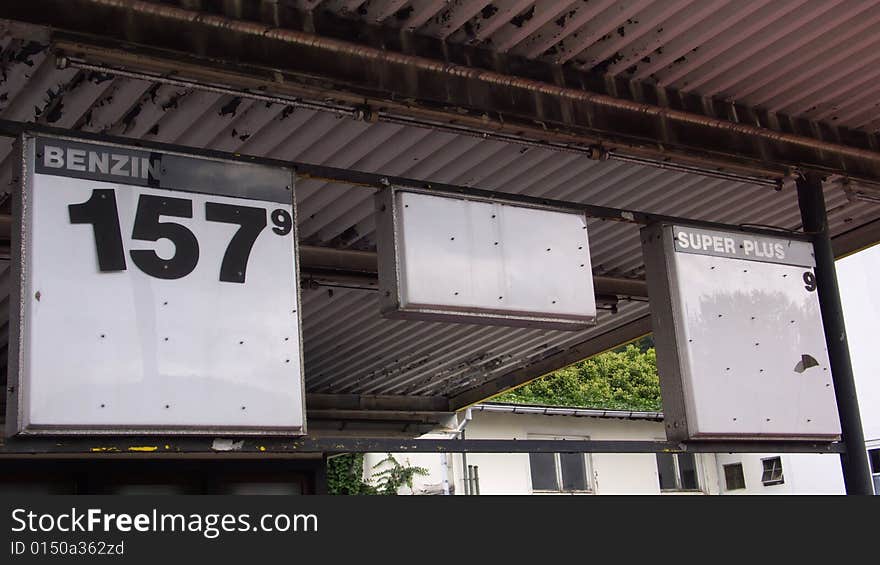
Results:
348 346
807 58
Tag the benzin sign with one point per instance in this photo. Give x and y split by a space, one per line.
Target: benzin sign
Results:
158 293
99 162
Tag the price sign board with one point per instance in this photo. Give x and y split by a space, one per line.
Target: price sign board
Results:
740 343
467 260
156 293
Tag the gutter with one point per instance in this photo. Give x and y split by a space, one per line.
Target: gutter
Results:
576 412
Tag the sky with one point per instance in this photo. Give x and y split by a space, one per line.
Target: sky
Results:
857 276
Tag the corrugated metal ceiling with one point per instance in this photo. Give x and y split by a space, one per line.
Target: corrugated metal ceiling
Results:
808 58
349 347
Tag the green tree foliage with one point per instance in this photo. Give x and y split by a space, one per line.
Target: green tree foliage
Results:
395 475
624 379
345 475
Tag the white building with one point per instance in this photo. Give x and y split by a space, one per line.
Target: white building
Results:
602 473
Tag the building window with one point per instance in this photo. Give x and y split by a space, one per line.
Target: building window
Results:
733 476
772 471
677 471
559 472
874 457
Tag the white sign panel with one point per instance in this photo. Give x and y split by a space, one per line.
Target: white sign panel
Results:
740 342
159 294
466 260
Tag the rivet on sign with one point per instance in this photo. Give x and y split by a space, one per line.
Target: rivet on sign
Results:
809 420
102 406
757 344
548 249
582 264
727 368
496 243
286 338
243 408
580 247
287 360
456 294
500 298
241 342
102 336
451 239
166 339
167 406
165 304
768 419
554 302
760 370
720 315
493 215
37 295
734 419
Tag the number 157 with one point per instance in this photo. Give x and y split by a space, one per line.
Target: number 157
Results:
101 212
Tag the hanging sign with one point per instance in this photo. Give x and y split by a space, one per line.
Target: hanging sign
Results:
156 293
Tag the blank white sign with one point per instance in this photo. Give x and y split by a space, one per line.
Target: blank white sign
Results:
467 260
127 351
749 345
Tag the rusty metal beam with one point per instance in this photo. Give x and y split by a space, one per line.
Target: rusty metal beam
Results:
398 73
328 264
388 403
268 447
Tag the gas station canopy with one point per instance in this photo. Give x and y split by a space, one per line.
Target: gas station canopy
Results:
700 110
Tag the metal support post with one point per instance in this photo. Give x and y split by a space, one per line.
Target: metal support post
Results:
854 460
